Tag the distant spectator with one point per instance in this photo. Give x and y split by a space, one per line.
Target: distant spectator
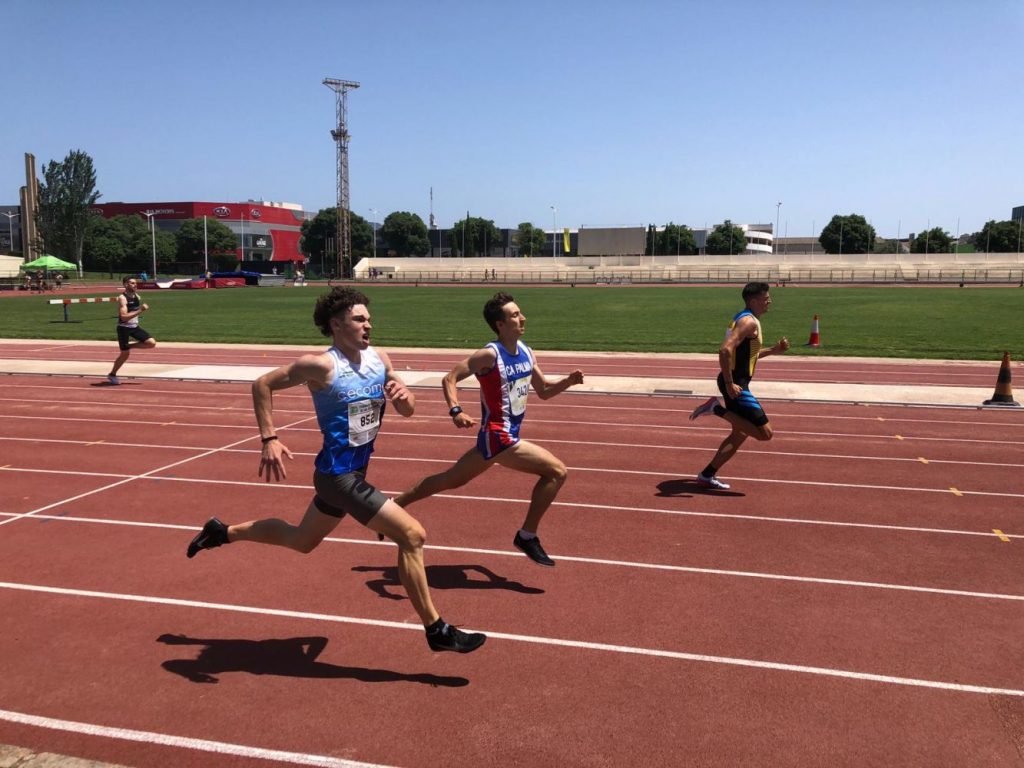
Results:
59 279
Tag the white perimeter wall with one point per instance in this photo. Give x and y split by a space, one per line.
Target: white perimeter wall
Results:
472 266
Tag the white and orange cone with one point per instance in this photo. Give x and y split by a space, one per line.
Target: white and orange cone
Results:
815 340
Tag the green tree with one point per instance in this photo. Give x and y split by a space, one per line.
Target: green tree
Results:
999 237
405 234
479 235
848 234
650 240
66 195
726 238
320 238
108 243
676 239
102 247
530 240
191 243
934 240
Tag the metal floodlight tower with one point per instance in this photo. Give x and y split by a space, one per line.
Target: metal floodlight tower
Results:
341 136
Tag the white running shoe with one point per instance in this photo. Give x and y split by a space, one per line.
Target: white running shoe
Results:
113 379
708 406
712 482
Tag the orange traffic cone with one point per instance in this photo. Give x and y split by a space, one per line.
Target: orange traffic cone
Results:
815 340
1004 392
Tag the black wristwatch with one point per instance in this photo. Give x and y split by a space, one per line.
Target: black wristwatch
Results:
455 411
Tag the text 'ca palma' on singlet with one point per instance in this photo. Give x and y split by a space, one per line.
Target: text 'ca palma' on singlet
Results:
744 358
350 412
503 391
132 304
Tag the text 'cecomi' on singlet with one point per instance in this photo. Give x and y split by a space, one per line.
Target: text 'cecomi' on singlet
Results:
350 412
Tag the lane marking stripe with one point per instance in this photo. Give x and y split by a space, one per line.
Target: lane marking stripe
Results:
167 740
550 641
632 426
603 561
145 475
572 504
434 438
426 398
814 483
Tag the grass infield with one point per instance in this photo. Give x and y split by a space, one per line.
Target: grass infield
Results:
950 323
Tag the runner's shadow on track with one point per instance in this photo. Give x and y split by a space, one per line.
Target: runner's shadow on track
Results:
122 384
688 487
443 577
289 657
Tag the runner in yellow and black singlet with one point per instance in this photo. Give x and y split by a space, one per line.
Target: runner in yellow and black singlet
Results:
738 358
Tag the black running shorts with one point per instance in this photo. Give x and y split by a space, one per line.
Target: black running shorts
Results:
124 334
338 495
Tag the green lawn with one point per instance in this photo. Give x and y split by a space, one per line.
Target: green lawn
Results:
969 323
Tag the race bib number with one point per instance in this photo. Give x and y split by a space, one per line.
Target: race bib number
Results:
363 421
517 392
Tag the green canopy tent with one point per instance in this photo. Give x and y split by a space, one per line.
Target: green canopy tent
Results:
48 263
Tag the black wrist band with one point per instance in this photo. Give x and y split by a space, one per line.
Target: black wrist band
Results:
266 440
455 411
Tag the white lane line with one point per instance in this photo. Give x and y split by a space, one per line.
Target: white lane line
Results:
574 505
425 418
603 561
813 483
551 641
434 438
718 430
145 475
243 392
164 407
184 742
140 422
561 406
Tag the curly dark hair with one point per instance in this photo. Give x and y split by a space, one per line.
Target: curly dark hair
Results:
494 310
337 302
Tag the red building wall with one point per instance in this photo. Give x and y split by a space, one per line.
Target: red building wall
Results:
282 224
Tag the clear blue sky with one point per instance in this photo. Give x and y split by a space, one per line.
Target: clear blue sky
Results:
905 111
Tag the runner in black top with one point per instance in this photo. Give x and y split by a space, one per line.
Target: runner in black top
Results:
129 307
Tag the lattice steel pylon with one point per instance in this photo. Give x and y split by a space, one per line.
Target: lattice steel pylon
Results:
341 136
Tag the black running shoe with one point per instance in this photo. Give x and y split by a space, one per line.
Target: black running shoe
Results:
533 550
454 639
214 534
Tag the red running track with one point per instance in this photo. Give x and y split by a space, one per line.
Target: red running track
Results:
856 599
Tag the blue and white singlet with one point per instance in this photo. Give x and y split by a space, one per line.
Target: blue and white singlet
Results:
349 412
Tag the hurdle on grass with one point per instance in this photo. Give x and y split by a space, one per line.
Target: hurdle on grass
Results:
94 300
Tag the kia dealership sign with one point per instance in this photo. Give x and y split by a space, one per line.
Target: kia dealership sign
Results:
221 211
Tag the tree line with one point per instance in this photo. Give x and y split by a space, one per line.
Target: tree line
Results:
69 229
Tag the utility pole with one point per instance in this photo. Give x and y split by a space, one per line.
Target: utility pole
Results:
341 136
